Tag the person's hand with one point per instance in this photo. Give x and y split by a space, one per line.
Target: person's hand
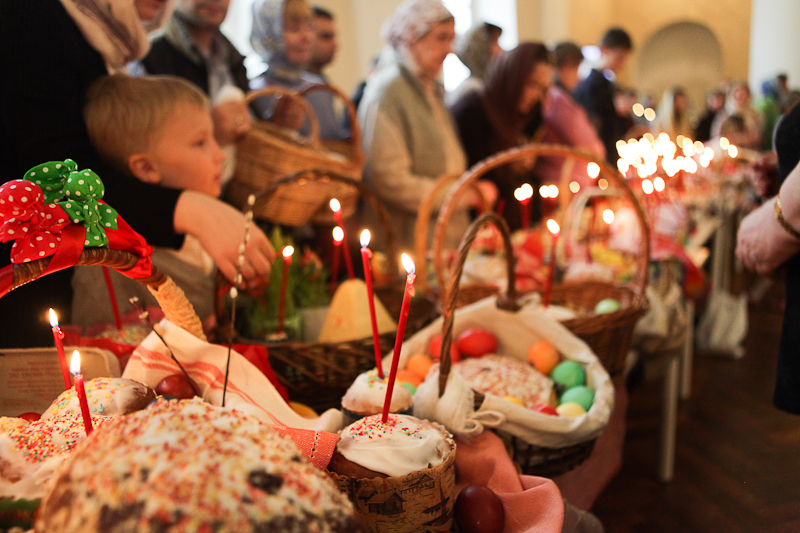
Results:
483 190
762 244
220 229
231 121
288 114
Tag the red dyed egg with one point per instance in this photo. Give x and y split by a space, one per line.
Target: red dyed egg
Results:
545 409
479 510
476 343
30 417
435 347
176 385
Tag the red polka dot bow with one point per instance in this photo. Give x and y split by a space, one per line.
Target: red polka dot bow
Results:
26 218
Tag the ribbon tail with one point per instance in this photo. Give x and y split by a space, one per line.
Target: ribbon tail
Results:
6 278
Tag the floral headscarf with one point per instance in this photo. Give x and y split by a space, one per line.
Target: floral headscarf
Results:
412 20
472 49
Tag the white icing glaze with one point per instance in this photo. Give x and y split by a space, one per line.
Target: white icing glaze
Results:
367 394
403 445
506 376
106 397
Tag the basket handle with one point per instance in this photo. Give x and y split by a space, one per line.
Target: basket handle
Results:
313 136
355 129
170 297
511 155
508 302
423 221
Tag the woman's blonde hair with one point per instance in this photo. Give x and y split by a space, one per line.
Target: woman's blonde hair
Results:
124 115
296 11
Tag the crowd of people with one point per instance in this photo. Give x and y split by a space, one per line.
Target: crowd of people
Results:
88 81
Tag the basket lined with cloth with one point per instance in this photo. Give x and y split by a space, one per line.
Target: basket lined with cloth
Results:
540 444
609 335
269 152
318 374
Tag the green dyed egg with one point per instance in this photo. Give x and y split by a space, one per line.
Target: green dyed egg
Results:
581 395
607 305
569 374
411 388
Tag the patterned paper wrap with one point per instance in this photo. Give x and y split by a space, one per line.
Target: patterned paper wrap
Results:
415 503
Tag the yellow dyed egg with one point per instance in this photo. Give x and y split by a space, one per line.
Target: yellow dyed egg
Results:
303 410
514 400
570 410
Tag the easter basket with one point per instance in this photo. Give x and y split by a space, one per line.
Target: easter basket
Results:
269 152
540 444
318 374
608 335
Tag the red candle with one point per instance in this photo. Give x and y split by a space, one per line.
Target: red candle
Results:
287 260
338 237
113 296
555 230
80 390
366 254
401 329
524 194
336 207
58 335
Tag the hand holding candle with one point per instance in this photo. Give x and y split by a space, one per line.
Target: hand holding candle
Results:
80 390
58 335
401 329
287 260
555 230
366 254
336 207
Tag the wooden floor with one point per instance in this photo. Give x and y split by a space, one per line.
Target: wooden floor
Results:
737 464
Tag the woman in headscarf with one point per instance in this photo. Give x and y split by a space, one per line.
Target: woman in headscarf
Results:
498 116
673 113
739 103
50 53
283 36
476 49
409 136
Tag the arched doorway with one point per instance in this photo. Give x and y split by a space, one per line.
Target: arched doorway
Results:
686 54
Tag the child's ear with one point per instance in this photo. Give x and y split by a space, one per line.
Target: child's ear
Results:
143 167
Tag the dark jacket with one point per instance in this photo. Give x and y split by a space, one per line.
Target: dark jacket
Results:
47 67
596 95
164 58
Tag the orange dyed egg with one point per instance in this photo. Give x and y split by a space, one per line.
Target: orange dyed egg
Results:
407 376
543 356
419 364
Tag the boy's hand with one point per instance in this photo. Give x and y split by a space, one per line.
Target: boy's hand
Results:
231 121
220 229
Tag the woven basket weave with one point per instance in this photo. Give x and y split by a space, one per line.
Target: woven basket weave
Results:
269 152
608 335
533 459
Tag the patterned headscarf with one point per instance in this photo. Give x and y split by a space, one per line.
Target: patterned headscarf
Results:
472 49
412 20
267 39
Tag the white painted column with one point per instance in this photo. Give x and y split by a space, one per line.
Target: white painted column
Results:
774 41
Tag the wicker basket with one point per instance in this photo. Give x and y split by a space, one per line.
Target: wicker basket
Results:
169 296
608 335
269 152
532 459
318 374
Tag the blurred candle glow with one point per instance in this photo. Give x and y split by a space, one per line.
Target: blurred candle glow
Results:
608 216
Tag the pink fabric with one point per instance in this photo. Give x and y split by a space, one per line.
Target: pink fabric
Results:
583 485
531 503
566 123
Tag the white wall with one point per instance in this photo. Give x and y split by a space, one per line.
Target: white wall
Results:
774 41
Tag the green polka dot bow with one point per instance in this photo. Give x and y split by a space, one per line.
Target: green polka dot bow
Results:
82 192
50 177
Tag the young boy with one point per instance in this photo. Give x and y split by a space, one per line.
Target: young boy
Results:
159 130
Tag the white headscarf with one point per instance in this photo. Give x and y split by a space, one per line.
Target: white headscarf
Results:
113 28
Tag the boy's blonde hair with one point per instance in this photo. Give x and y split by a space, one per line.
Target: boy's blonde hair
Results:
124 115
296 11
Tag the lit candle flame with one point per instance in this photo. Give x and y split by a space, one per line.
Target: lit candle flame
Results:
544 191
724 143
288 251
408 264
593 169
527 190
553 191
335 205
365 236
647 186
338 234
553 226
519 194
53 318
574 186
608 216
75 363
733 151
659 184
